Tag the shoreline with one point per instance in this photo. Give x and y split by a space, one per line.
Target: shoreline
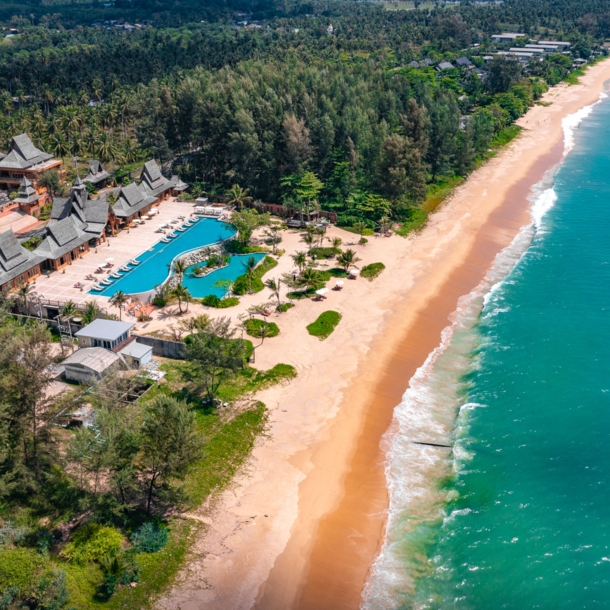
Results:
320 474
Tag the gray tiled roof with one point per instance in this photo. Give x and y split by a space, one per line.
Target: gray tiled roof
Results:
62 237
96 172
14 258
131 199
153 181
23 154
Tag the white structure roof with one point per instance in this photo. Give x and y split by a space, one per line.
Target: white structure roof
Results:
136 350
106 330
96 359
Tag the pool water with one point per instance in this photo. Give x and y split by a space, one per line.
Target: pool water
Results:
155 263
200 287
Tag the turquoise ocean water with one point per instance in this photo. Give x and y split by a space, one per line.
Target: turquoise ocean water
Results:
518 515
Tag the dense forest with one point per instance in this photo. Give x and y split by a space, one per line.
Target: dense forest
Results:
230 105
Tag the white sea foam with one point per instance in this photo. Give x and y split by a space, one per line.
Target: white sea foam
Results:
431 412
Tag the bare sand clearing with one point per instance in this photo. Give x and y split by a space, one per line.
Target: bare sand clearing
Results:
301 528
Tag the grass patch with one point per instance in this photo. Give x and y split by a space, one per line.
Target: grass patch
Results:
284 307
366 231
324 252
324 325
253 327
416 221
370 272
545 104
242 283
236 247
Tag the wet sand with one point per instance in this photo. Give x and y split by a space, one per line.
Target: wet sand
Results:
303 525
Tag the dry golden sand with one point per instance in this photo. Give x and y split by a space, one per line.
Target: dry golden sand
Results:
302 526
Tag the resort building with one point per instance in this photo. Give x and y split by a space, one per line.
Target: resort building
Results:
97 175
155 184
132 202
27 197
17 264
24 160
76 225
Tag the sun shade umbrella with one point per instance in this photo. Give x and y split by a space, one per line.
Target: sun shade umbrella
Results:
322 291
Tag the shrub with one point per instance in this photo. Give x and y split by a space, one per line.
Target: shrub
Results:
370 272
324 325
149 538
284 307
253 327
213 301
20 568
92 542
242 284
236 247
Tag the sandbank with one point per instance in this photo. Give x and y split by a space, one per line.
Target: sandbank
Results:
301 527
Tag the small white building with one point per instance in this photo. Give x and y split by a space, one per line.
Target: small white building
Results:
506 37
137 354
108 334
90 364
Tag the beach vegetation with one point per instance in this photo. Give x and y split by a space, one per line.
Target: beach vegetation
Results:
347 259
254 328
246 222
370 272
251 281
213 301
284 307
324 325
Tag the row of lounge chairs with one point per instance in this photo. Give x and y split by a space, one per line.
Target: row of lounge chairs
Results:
114 276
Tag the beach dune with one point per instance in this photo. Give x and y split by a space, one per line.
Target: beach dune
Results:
302 525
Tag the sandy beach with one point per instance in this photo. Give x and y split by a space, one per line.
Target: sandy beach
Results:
302 524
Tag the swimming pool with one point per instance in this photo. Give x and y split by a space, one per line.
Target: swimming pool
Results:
200 287
155 263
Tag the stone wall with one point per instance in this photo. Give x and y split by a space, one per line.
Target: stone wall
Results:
164 347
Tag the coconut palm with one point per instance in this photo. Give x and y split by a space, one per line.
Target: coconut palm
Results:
337 241
180 268
309 239
300 260
309 278
119 299
24 292
92 312
274 285
250 266
239 196
360 227
68 309
183 295
347 259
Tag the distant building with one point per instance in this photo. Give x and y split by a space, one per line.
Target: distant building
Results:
97 175
154 183
506 37
330 29
28 198
24 160
414 64
463 62
444 65
17 264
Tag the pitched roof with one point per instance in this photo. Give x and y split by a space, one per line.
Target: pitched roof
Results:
90 215
27 193
62 237
14 258
97 359
23 154
131 199
153 181
96 172
463 61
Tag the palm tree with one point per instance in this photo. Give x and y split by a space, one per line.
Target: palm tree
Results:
68 309
180 268
347 259
24 292
250 266
239 196
309 278
274 285
183 295
119 299
360 227
300 260
309 240
92 312
337 241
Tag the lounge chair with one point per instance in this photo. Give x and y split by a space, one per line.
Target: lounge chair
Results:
78 285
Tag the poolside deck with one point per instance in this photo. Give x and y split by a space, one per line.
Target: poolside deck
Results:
59 286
